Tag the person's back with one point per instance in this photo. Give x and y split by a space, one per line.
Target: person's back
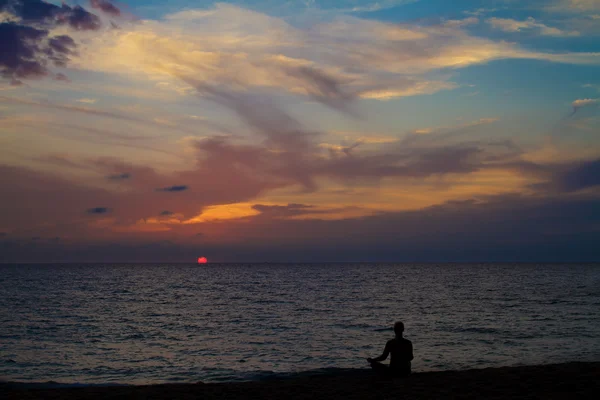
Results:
401 352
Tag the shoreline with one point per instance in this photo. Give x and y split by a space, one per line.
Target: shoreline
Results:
579 380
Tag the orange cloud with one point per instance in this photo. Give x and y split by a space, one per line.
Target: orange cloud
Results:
223 212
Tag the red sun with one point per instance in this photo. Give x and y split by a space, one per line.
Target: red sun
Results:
202 260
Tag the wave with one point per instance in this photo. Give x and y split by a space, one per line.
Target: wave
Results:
53 385
229 376
271 375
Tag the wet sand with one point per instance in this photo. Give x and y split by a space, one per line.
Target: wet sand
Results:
558 381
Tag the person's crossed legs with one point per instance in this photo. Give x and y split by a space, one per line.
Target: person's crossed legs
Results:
385 370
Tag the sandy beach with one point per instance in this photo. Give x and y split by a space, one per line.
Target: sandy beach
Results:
559 381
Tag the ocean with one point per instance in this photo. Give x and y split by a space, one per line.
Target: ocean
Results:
158 323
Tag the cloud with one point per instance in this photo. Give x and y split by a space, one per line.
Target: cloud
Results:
166 213
592 86
454 23
286 211
404 89
374 6
79 19
47 201
229 174
289 155
25 52
574 5
179 188
61 46
85 134
575 176
508 228
27 48
334 62
98 210
224 212
78 109
105 6
62 160
413 163
580 103
322 87
304 211
119 177
41 12
61 77
512 25
104 135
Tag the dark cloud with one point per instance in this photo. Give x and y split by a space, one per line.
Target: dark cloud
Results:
580 176
166 213
80 19
21 55
119 177
61 77
270 168
323 87
106 7
62 46
459 159
98 210
177 188
26 50
30 10
261 114
415 163
41 12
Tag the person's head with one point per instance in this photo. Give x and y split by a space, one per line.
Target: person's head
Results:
398 328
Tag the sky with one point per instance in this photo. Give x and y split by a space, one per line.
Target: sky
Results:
300 131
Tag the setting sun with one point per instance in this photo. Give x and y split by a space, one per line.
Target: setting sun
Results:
202 260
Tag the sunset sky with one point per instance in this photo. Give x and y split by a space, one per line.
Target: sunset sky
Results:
314 130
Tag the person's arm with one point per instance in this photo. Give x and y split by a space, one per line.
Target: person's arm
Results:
386 353
410 355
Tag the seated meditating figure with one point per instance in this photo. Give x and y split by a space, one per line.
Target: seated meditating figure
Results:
402 354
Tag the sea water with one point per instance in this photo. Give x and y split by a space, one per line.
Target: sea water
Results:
150 323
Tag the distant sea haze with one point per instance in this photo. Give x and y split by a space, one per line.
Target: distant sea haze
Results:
119 323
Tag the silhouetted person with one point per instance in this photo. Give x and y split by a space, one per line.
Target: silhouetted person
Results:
402 353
